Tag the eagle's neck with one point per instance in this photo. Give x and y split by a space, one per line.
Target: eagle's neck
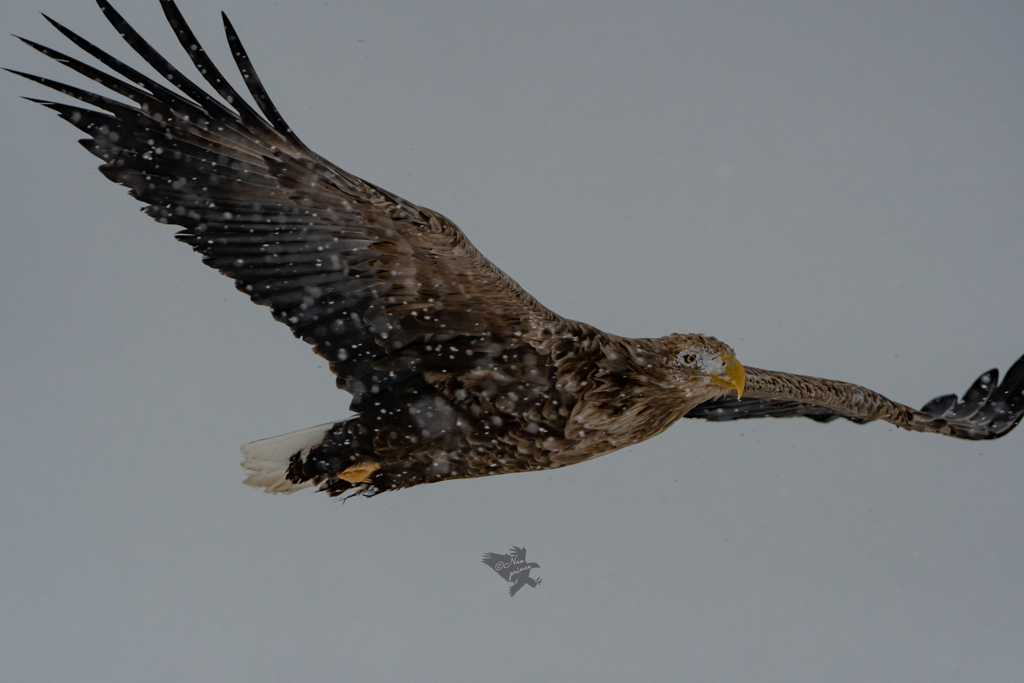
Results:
632 395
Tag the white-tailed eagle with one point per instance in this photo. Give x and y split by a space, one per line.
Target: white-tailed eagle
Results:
455 370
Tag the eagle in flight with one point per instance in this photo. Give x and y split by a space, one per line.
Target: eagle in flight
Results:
454 370
513 568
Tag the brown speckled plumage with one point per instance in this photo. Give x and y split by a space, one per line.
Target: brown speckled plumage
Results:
454 370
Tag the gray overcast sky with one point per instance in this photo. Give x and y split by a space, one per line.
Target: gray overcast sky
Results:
831 188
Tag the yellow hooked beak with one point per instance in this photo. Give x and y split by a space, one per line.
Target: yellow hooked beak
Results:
733 375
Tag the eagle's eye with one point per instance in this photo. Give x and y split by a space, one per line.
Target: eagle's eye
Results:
689 359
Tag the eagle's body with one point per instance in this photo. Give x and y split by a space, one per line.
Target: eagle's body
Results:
491 405
454 369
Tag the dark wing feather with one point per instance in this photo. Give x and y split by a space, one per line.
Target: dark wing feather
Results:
253 83
376 284
987 410
726 409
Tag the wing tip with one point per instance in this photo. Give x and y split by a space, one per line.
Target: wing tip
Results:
988 409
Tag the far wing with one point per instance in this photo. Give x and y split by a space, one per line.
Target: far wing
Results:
987 410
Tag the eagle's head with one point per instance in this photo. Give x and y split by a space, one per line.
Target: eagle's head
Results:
695 360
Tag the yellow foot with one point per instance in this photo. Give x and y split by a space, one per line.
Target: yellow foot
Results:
359 473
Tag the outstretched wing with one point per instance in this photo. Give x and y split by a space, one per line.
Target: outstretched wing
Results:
380 287
492 560
987 410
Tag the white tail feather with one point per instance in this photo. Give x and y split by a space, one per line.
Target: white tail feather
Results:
266 461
